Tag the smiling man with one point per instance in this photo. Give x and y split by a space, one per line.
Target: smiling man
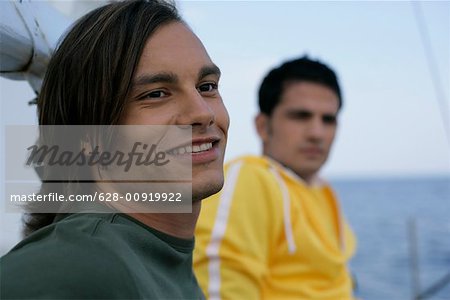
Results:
127 63
276 230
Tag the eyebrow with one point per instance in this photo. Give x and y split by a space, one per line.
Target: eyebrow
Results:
209 70
169 77
154 78
298 112
307 113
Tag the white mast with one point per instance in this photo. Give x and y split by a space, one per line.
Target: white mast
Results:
29 32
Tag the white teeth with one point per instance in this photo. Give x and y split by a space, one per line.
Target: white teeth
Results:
191 149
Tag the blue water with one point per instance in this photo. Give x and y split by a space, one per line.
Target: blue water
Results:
379 212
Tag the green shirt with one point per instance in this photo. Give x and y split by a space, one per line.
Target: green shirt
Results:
99 256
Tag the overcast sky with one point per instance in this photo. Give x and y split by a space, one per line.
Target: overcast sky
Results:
391 124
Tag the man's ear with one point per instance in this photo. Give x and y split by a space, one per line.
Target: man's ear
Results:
262 123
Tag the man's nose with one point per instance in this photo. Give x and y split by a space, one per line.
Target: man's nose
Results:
316 128
196 111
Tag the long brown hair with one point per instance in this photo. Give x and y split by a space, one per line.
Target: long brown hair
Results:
89 76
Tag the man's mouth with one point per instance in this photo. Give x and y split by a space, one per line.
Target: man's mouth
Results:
312 151
190 149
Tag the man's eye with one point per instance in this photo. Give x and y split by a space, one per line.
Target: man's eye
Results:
329 119
208 87
299 115
154 94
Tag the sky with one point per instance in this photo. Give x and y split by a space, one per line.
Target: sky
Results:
391 124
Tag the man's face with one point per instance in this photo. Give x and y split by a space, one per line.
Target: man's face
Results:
176 84
301 130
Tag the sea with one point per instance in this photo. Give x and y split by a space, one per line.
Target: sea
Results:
403 231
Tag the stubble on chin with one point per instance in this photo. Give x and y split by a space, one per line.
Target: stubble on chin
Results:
209 190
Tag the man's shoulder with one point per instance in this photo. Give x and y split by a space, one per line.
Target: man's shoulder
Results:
81 236
70 254
262 169
250 163
252 177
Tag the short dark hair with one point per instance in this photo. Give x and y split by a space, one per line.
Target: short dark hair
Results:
301 69
89 77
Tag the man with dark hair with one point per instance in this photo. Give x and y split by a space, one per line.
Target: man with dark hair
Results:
127 63
276 231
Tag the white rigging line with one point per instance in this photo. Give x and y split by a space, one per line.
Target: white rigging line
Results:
433 68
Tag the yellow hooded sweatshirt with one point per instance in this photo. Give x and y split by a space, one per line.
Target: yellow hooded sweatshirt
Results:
267 235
